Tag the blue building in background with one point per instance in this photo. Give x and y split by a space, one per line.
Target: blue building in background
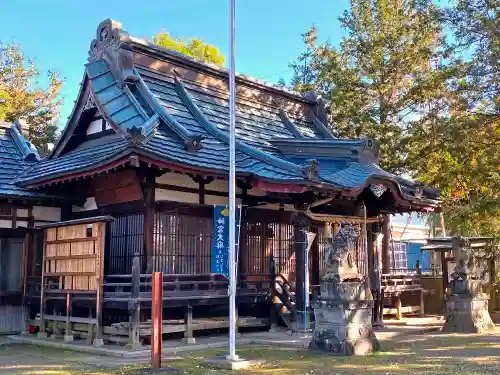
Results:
409 233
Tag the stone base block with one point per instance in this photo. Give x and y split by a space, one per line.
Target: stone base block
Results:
189 340
234 365
467 315
41 335
68 338
329 342
343 327
98 343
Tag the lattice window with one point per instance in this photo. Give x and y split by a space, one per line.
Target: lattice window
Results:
182 243
399 256
126 239
261 240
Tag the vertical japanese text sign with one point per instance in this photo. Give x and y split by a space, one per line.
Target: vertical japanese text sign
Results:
220 242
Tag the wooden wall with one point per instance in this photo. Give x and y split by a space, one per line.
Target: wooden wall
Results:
74 256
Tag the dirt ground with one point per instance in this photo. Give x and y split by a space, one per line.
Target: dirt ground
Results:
423 355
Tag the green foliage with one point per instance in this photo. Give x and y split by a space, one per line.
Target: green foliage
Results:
194 47
432 103
460 151
381 75
21 97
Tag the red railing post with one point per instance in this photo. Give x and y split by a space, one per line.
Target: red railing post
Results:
156 320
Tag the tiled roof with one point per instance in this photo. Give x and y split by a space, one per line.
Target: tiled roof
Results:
16 156
175 110
90 154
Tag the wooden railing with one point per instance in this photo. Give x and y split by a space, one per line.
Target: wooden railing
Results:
404 292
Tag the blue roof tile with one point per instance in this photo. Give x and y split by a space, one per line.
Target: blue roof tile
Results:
13 162
188 109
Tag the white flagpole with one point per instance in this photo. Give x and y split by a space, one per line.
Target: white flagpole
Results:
232 193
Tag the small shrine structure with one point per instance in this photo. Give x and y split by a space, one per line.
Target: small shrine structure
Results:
464 273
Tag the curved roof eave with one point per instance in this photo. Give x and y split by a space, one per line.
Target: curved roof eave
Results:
383 178
223 137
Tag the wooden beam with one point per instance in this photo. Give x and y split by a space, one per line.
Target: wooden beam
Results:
14 217
201 191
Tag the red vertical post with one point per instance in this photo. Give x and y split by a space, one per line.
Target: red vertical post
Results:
156 320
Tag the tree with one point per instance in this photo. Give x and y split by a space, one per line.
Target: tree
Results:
460 152
21 97
305 68
382 75
194 47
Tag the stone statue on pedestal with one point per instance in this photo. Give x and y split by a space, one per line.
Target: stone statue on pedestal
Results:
343 311
339 259
467 305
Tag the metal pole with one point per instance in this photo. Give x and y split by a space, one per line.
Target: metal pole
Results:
156 320
232 193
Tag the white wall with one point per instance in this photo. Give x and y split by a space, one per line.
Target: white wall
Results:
22 212
46 213
414 233
5 223
41 215
177 180
185 181
176 196
95 127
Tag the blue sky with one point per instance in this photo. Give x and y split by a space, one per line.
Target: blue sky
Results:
57 33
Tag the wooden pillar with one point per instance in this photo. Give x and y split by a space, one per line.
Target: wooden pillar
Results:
300 226
90 327
68 334
149 212
56 332
315 266
42 333
99 231
444 267
188 321
371 255
135 307
14 217
386 243
201 191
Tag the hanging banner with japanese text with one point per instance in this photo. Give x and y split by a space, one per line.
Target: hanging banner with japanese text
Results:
220 242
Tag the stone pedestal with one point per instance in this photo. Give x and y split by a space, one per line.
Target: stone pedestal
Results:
467 314
343 316
467 305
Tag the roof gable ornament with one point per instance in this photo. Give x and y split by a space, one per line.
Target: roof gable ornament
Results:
378 189
107 46
90 103
311 169
141 134
369 151
27 149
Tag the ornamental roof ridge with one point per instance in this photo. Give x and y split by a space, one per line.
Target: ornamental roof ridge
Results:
110 35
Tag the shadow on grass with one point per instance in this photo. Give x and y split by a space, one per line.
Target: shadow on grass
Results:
425 355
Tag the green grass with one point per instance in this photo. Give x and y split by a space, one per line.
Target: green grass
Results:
422 355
